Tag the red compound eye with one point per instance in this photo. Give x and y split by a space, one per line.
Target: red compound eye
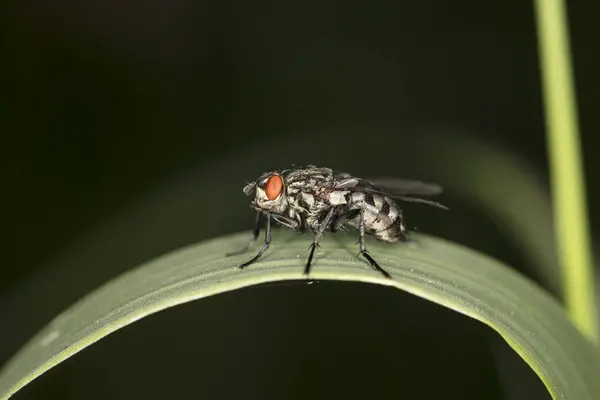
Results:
273 187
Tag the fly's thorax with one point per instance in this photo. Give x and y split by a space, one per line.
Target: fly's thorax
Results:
308 206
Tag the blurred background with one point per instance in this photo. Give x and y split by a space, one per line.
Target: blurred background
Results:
130 128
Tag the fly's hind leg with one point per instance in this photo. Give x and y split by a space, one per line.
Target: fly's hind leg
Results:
363 249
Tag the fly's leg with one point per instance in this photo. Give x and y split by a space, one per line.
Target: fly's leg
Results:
265 246
363 249
339 222
316 239
255 233
285 221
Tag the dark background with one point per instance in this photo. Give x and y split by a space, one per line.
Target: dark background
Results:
116 115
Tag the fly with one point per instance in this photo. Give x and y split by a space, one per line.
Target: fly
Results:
320 200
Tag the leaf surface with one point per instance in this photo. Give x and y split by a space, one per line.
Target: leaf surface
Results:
528 318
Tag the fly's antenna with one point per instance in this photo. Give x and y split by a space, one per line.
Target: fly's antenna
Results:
249 188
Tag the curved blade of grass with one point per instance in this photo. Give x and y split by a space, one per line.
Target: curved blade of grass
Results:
530 320
566 165
508 188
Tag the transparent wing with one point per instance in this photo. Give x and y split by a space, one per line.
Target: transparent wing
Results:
406 187
402 189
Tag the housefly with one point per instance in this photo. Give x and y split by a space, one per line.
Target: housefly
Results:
321 200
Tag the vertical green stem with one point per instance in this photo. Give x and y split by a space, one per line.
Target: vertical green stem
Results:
568 186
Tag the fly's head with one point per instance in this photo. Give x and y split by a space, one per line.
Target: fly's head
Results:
269 193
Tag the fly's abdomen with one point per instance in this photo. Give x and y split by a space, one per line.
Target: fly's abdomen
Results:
383 218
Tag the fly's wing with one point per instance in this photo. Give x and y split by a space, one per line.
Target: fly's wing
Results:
405 187
402 189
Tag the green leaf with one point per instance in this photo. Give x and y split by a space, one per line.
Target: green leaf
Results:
529 319
566 165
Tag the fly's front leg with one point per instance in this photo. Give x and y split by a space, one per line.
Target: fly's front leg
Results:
316 239
265 246
285 221
363 249
255 233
